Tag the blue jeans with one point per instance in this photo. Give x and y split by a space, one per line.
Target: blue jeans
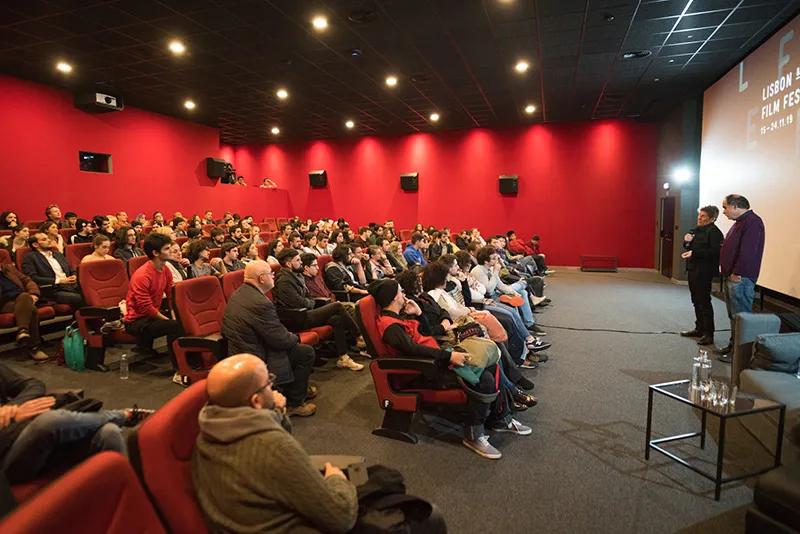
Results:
505 382
62 435
738 299
509 317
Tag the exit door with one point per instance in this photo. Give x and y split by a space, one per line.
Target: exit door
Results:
667 234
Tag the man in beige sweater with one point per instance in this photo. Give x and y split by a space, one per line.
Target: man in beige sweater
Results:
249 473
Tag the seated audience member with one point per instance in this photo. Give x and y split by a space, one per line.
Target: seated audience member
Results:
125 238
83 232
137 227
208 217
249 252
345 272
378 233
434 321
8 220
476 236
17 240
337 238
18 295
290 291
140 218
538 255
230 258
251 326
179 225
350 236
158 220
102 225
473 249
518 246
310 243
268 184
193 234
463 239
389 232
46 266
38 432
240 181
144 319
122 219
378 265
254 235
295 242
69 220
395 255
177 264
286 230
200 262
398 327
237 236
323 246
53 213
418 229
102 246
315 284
273 249
165 231
217 238
440 245
244 436
413 251
525 266
363 237
50 228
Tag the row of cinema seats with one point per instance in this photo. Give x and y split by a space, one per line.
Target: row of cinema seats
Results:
270 223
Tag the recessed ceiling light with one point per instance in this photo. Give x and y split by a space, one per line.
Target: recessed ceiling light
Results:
350 124
608 17
672 61
64 67
657 79
530 109
434 117
177 47
689 36
276 130
636 54
282 94
320 23
521 66
391 80
188 104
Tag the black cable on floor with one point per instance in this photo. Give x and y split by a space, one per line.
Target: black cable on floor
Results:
613 331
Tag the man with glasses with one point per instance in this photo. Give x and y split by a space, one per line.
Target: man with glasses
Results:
251 326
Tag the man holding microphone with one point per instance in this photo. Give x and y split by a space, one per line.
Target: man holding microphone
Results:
703 244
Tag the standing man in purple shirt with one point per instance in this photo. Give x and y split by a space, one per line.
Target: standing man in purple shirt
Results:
740 261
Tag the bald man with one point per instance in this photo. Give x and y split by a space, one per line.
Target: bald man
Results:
249 473
251 326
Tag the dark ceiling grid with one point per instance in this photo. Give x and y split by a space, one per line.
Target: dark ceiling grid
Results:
500 57
578 56
539 65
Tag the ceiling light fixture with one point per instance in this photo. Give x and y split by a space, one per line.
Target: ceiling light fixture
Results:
282 94
320 23
391 81
521 66
188 104
657 79
530 109
177 47
64 67
434 117
636 54
276 130
672 61
350 124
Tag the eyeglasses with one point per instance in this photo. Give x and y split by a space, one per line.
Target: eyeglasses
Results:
270 381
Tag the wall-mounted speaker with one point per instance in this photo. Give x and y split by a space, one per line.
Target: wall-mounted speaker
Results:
509 184
318 178
409 181
215 167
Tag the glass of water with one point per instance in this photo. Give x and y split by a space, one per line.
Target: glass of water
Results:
723 394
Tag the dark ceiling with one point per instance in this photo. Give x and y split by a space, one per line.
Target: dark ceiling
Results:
455 57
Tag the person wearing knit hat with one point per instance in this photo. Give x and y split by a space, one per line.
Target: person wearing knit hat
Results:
399 331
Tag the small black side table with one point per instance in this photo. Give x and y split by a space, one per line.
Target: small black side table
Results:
746 404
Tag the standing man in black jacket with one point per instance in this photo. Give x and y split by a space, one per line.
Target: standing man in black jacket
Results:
703 243
251 326
291 292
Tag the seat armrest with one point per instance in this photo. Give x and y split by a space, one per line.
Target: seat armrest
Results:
294 318
341 296
71 391
111 313
427 368
214 343
748 326
321 301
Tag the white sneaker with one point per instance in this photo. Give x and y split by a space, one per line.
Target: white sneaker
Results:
482 447
177 378
549 271
346 362
537 300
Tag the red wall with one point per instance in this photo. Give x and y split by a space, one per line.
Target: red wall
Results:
585 188
158 161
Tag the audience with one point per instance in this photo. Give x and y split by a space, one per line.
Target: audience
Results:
46 266
378 265
8 220
83 232
345 273
53 213
101 245
70 218
230 258
17 240
273 249
50 228
177 264
217 238
125 237
179 225
413 252
249 252
19 295
200 262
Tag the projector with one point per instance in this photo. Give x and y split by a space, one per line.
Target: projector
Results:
96 101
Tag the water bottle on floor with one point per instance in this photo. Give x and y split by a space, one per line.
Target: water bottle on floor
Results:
123 367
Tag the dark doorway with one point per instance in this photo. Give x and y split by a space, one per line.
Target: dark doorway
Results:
667 234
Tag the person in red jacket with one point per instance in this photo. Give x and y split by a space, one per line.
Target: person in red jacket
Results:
148 285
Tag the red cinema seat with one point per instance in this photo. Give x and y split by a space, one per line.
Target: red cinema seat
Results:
214 253
262 251
266 237
270 224
282 220
181 240
67 233
7 320
18 255
104 285
75 253
199 305
146 230
160 451
231 282
5 233
100 496
5 257
208 227
405 235
135 263
391 373
33 225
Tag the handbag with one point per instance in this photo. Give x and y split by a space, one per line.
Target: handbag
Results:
496 331
74 348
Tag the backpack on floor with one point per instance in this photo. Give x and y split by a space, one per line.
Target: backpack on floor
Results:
74 348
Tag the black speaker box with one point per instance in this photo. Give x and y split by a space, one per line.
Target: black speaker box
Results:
409 181
509 183
215 167
318 178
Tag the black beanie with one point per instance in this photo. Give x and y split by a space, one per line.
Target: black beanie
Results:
383 291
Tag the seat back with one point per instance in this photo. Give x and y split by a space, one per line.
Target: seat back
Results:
231 282
146 229
262 251
282 220
5 257
270 224
4 233
33 225
266 237
214 253
405 235
275 269
100 496
208 227
181 240
103 283
75 253
367 313
199 305
161 453
135 263
67 233
19 255
324 260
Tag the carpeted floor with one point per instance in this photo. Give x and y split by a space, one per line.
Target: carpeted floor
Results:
582 470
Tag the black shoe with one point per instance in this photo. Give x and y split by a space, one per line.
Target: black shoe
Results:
528 364
525 384
726 358
724 351
536 331
523 398
707 339
537 357
518 407
691 333
538 345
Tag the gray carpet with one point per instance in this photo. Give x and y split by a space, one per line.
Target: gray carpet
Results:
582 470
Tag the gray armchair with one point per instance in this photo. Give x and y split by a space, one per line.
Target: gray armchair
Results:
748 326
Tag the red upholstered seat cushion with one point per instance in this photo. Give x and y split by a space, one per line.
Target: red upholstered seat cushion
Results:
440 396
324 331
63 309
7 319
231 282
121 337
103 283
308 338
100 496
200 305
